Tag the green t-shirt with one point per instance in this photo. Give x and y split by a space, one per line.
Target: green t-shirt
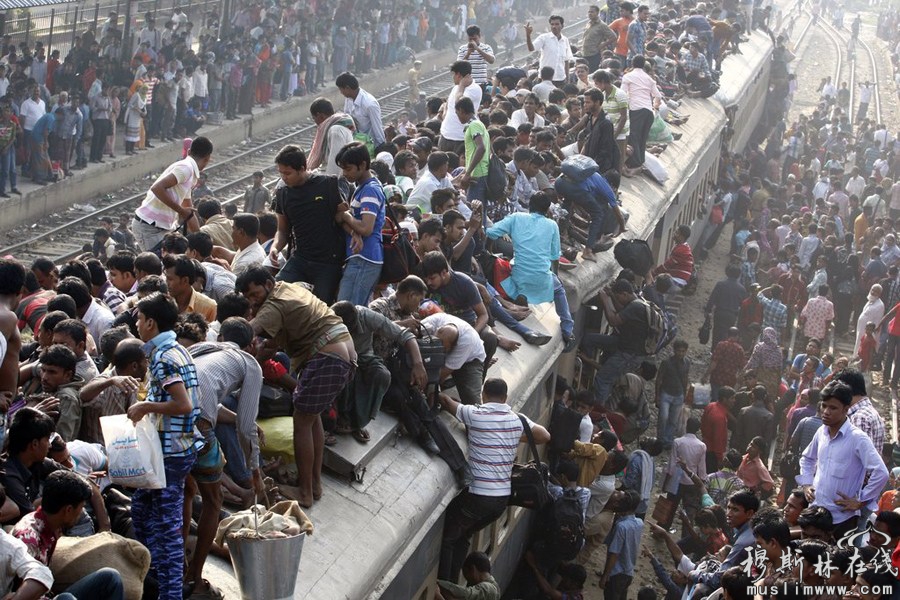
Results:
473 130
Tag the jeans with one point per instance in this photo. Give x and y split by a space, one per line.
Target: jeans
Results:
599 213
617 363
229 441
158 517
640 123
359 279
8 168
468 379
891 360
467 514
669 413
324 277
477 189
617 587
147 237
105 583
501 314
561 302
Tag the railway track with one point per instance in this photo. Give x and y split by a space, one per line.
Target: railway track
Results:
233 167
870 65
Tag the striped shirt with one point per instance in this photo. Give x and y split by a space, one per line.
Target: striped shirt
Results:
222 369
153 210
170 363
494 431
615 102
476 59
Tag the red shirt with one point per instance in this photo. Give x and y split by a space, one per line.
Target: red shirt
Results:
714 428
679 264
894 325
793 291
866 350
729 358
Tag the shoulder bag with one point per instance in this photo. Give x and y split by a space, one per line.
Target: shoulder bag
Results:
529 481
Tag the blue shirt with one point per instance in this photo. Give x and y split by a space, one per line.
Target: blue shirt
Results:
624 540
535 245
839 465
43 126
368 199
170 363
600 188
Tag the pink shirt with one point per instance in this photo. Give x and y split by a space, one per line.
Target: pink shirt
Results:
154 211
640 89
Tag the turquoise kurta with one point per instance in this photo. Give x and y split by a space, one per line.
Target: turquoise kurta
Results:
535 241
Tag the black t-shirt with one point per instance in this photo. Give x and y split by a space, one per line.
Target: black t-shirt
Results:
634 328
310 210
459 297
463 264
23 485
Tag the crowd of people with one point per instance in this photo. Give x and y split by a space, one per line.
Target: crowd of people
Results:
382 246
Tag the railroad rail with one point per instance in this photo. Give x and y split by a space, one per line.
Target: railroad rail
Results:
63 242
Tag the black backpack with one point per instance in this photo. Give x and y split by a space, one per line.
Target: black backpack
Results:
567 526
565 425
635 255
496 179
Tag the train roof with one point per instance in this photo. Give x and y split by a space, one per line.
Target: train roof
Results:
647 201
365 533
740 70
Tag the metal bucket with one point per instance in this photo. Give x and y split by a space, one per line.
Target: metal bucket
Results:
266 569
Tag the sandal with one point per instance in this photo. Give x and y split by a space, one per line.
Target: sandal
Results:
330 439
211 593
361 436
342 428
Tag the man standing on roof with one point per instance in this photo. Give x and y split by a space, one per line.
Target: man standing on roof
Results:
362 106
169 198
555 49
597 38
477 54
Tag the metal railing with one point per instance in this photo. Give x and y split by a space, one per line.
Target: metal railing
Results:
58 25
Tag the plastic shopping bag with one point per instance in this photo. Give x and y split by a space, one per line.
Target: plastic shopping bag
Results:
135 453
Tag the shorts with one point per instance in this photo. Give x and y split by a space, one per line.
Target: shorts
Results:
319 382
210 462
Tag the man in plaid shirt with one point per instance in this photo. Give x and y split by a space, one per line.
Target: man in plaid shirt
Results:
693 62
862 414
774 311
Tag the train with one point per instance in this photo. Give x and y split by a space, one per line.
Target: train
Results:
378 527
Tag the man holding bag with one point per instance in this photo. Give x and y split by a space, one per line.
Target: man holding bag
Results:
173 396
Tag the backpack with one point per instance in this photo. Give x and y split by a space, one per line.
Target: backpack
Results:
565 425
367 141
567 526
661 332
579 167
399 255
496 179
635 255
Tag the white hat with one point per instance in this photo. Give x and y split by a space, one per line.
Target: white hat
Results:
387 158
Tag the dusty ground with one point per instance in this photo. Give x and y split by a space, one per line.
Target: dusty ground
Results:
690 318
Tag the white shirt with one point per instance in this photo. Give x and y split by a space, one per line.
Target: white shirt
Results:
421 194
640 89
366 111
451 128
338 137
865 94
30 111
200 80
493 431
154 211
251 256
543 89
468 347
856 185
15 562
98 319
519 117
829 90
555 52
